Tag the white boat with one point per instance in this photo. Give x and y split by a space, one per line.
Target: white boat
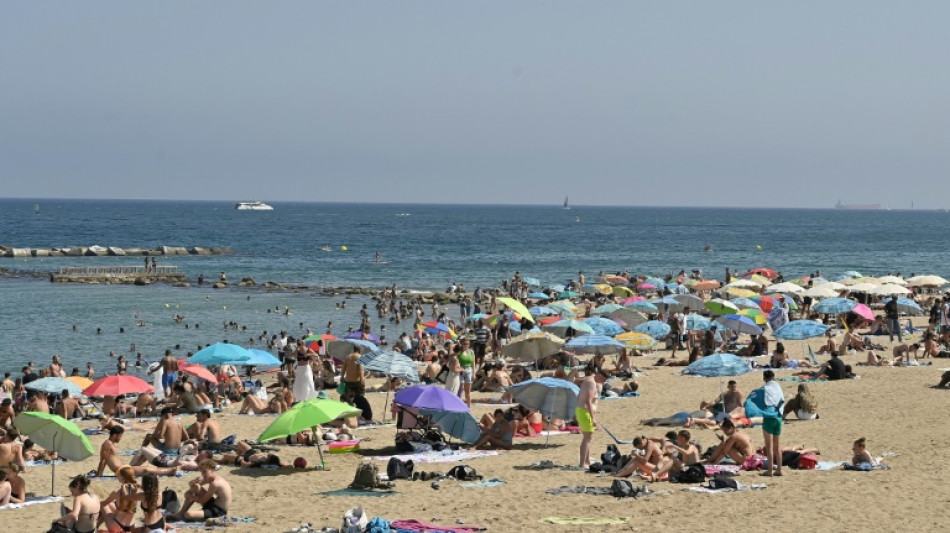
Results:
252 206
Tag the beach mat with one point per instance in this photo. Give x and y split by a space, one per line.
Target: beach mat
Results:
357 492
223 522
581 521
546 433
32 500
417 525
708 490
493 482
44 463
439 457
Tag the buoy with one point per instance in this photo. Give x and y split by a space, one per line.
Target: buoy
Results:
167 306
342 248
758 246
224 307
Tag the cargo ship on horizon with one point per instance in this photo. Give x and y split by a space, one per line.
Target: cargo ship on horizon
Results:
842 205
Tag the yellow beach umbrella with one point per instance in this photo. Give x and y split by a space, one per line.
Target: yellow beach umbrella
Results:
85 383
755 314
517 307
741 293
603 288
620 290
760 279
637 340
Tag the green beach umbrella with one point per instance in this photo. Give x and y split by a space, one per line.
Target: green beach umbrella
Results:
307 415
57 434
517 307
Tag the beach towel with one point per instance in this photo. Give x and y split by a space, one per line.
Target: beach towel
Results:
493 482
416 525
545 433
708 490
214 523
357 492
93 431
580 489
712 470
445 456
622 397
825 466
579 521
375 426
44 463
797 379
32 500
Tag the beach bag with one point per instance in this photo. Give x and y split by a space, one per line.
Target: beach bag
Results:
621 488
464 473
170 501
694 473
808 462
367 477
611 457
723 482
754 462
354 521
397 469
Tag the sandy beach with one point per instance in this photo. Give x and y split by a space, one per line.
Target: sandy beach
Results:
892 407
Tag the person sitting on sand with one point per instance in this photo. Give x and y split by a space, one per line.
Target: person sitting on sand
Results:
851 341
214 498
676 455
755 348
82 517
498 431
646 458
830 346
205 430
11 451
728 402
392 384
252 404
14 482
109 456
119 507
861 453
832 369
803 404
736 446
38 402
168 434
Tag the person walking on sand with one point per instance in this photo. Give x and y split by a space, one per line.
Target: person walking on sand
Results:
585 413
772 425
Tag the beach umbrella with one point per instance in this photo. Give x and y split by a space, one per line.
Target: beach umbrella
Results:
706 285
429 397
438 328
889 290
863 287
539 296
391 364
556 398
718 365
906 305
820 291
117 386
622 291
307 415
568 294
761 280
785 287
687 300
55 434
696 322
718 306
834 285
542 311
926 281
517 307
257 358
83 382
634 339
341 349
646 286
788 300
835 306
560 327
218 354
766 303
557 287
606 309
462 426
798 330
676 288
604 326
630 317
756 315
477 316
654 328
613 279
894 280
563 306
863 311
312 340
198 371
532 346
743 284
360 336
643 306
737 292
665 300
742 303
546 321
594 344
852 274
740 324
534 282
762 271
54 386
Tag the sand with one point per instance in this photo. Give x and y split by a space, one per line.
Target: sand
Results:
892 407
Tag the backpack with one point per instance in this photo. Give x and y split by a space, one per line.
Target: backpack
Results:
397 469
694 473
611 457
621 488
367 477
464 473
170 501
723 482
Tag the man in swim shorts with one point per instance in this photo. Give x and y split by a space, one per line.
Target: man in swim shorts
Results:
215 500
584 412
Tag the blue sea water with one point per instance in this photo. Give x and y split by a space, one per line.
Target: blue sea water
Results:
425 246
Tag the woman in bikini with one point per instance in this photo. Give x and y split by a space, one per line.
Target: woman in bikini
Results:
119 507
151 498
81 518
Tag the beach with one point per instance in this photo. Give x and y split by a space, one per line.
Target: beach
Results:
892 407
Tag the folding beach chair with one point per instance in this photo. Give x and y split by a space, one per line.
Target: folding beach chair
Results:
614 437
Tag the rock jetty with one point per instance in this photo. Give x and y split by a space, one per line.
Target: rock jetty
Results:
110 251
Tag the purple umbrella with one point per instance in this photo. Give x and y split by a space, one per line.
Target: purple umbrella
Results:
359 335
430 397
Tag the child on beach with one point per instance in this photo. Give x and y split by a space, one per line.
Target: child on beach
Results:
861 454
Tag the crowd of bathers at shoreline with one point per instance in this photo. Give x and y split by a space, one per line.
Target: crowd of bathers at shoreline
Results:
464 356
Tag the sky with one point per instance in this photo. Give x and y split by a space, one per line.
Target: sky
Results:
766 104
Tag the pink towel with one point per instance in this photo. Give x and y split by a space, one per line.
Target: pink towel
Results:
415 525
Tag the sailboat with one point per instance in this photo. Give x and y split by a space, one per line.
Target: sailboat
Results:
565 203
36 208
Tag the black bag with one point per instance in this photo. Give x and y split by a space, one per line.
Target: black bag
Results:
170 501
596 468
621 488
611 457
59 528
464 473
723 482
397 469
694 473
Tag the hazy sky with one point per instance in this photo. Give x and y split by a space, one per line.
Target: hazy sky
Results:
631 103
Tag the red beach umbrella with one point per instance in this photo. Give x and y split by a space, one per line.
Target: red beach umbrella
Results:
198 371
117 386
762 271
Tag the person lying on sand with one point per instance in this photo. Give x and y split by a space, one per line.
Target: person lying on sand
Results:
109 456
736 445
254 405
188 459
33 452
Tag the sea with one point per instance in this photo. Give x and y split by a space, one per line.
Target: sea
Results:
421 247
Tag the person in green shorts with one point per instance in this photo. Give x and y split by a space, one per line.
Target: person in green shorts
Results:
772 423
584 412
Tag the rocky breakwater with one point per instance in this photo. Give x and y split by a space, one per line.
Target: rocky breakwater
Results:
110 251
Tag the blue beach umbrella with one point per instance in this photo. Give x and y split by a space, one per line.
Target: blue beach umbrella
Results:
835 306
603 326
257 358
539 296
556 287
696 322
594 344
54 385
430 397
553 397
644 306
462 426
606 309
676 288
534 282
654 328
569 294
218 354
391 364
542 310
740 324
906 305
798 330
341 349
718 365
745 303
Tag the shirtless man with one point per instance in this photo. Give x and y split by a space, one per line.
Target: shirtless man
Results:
204 429
646 459
67 407
353 374
731 400
109 456
11 452
903 352
433 368
38 402
830 346
168 434
56 368
145 404
7 414
215 498
585 413
737 446
677 455
170 369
